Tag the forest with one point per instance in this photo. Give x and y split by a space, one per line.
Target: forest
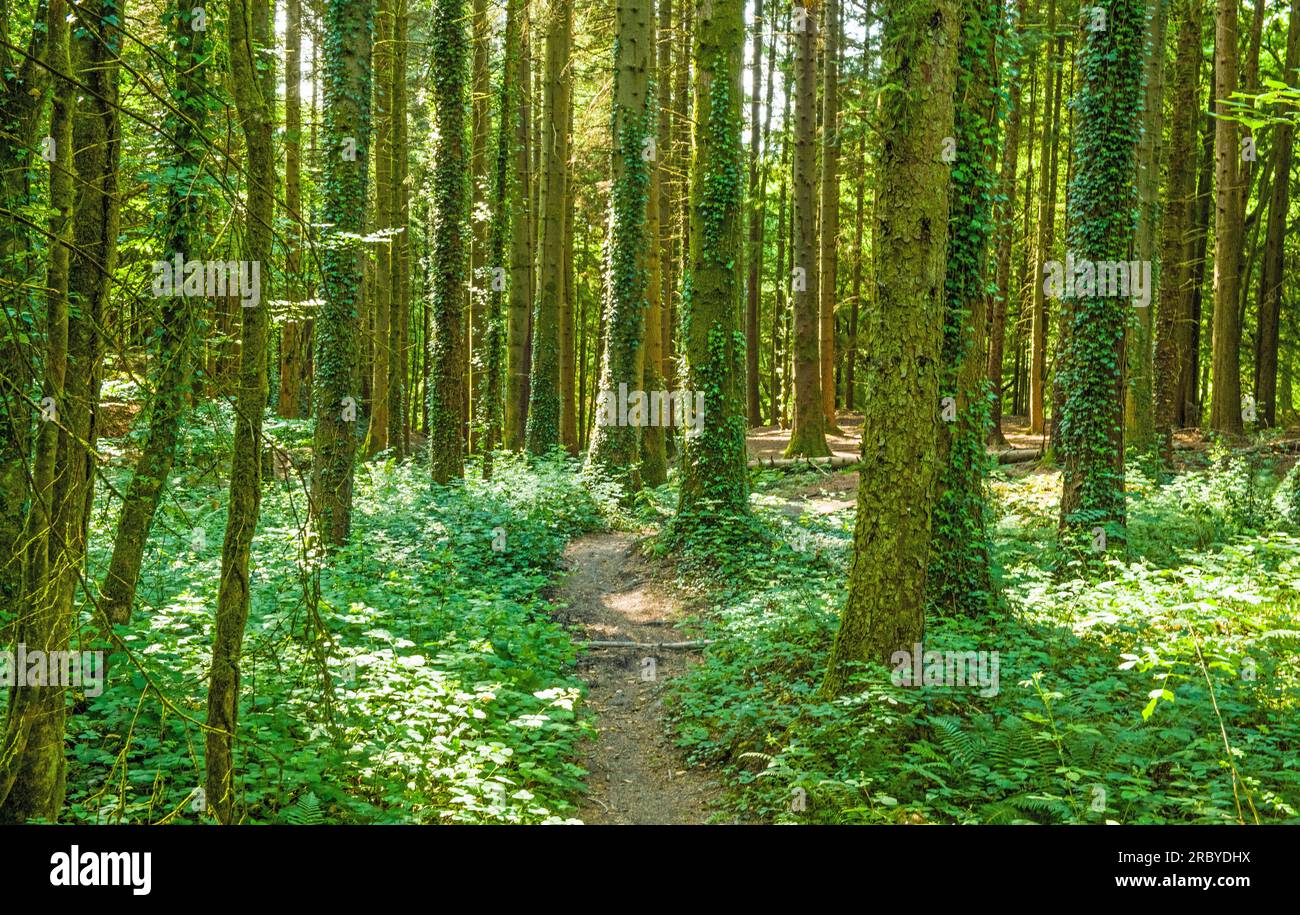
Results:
871 412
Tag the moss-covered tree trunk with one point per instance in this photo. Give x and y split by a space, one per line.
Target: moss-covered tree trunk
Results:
520 302
615 446
544 380
450 215
177 327
1102 205
83 45
336 385
808 426
896 491
960 576
24 90
714 479
250 32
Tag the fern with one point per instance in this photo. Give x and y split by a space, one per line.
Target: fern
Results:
306 811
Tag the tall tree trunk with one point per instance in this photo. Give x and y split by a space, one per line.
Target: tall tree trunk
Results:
828 256
520 304
177 339
714 478
1046 230
400 255
480 283
451 216
654 456
1004 226
755 228
884 612
1272 277
1102 197
808 431
960 575
1139 396
1176 247
250 33
615 446
381 310
295 340
544 384
1230 206
347 151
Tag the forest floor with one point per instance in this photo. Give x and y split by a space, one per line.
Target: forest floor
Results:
636 776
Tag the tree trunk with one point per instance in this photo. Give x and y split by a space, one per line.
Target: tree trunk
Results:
544 384
1230 205
347 151
884 612
808 431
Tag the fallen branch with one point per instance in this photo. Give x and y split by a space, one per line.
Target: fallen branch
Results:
1018 455
834 462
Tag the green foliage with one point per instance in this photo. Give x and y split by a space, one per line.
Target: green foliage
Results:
417 677
1082 728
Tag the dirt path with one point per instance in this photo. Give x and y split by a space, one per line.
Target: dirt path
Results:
637 776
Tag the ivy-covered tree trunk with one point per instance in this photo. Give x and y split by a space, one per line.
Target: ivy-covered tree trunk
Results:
336 386
808 429
1102 203
250 32
960 575
450 215
714 478
480 282
829 224
177 338
615 446
544 383
489 416
896 490
1229 232
1177 243
654 455
520 303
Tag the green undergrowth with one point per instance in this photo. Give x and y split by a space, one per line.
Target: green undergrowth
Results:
1102 710
415 677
